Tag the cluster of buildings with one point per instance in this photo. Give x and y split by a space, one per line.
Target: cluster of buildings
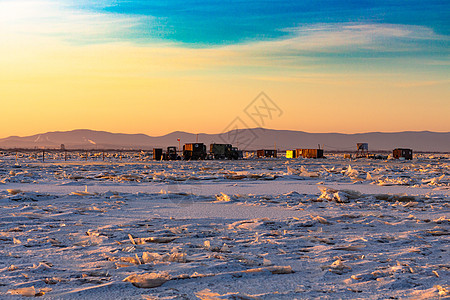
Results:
198 151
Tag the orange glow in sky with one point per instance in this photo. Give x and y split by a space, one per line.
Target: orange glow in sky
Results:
56 75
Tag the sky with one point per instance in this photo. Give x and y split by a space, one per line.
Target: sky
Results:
200 66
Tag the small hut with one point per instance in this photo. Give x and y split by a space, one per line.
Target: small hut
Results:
157 153
309 153
266 153
402 153
362 150
291 154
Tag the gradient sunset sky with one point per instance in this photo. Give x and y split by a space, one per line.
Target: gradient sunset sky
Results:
154 67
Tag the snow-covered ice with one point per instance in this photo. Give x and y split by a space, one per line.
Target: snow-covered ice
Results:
251 229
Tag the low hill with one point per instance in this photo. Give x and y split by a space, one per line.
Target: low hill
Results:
247 139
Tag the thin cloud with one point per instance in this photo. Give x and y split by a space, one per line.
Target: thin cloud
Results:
334 38
424 83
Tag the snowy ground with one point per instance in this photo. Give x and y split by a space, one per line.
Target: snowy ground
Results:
251 229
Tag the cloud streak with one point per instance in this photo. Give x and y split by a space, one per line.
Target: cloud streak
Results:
350 38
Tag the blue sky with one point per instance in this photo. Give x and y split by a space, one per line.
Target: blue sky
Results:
227 22
374 35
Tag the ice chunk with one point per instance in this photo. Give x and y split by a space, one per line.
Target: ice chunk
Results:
14 191
247 224
225 248
350 172
148 257
207 245
223 198
272 269
321 220
131 260
306 173
83 193
266 262
159 240
148 280
339 196
26 291
337 267
175 257
442 290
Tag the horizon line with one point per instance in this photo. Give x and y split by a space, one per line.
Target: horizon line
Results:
203 133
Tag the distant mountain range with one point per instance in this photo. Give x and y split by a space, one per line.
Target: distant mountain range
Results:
247 139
